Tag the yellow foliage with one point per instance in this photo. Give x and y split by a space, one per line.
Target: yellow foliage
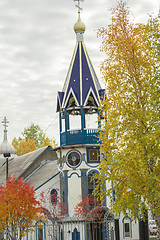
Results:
49 142
130 135
22 147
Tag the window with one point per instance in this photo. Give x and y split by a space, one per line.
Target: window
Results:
127 232
54 196
74 121
40 233
40 230
92 182
73 158
75 234
91 120
93 155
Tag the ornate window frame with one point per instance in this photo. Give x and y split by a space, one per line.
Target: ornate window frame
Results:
80 155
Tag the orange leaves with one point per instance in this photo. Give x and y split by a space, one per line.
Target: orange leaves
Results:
17 203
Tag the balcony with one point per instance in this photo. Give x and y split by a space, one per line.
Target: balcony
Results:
87 136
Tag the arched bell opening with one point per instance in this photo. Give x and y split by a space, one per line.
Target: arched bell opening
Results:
79 124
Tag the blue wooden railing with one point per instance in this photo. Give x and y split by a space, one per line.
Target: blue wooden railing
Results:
79 137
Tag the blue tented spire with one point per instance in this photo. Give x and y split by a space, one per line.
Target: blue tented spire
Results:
81 81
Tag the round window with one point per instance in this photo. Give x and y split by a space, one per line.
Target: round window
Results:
73 159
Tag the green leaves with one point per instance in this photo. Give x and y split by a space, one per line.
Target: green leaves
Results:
33 138
36 133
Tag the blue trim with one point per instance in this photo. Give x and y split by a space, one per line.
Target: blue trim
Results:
60 122
96 171
47 181
67 159
130 225
24 220
98 153
54 191
66 189
86 72
84 174
43 229
92 166
75 234
90 172
61 234
47 213
74 80
75 137
99 120
75 174
66 123
114 195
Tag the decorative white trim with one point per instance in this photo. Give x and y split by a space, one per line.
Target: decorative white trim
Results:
91 91
71 92
80 68
90 67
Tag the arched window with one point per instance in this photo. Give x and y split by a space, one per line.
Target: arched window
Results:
40 233
54 196
127 227
75 234
92 181
40 230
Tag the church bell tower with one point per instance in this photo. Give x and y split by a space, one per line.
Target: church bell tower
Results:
79 97
77 105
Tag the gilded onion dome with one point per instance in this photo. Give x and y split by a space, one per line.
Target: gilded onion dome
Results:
79 26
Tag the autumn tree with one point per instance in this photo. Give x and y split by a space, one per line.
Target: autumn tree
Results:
52 209
130 135
22 147
91 211
18 208
49 142
34 132
33 137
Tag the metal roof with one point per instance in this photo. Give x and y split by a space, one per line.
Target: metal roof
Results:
24 165
43 174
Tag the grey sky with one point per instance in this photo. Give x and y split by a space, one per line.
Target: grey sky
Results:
36 45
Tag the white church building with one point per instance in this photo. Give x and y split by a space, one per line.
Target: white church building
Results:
71 166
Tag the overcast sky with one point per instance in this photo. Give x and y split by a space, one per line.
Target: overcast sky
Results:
36 45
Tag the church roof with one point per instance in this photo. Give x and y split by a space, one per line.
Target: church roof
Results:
27 164
81 80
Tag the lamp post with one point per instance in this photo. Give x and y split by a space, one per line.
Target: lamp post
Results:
5 148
